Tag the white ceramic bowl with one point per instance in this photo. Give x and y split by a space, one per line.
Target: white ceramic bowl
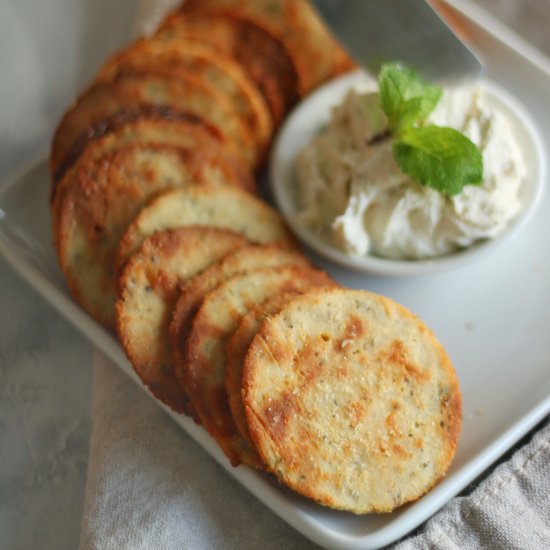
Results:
312 113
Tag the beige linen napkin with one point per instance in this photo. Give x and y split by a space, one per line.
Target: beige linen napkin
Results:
510 509
150 486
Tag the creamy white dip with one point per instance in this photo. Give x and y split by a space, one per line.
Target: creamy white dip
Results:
354 193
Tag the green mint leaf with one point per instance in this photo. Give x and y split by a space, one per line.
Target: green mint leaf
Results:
440 158
404 97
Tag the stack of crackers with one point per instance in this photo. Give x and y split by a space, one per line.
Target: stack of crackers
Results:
344 395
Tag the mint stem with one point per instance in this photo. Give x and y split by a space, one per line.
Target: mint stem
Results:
378 138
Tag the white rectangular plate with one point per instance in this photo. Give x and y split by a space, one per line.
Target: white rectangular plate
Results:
493 317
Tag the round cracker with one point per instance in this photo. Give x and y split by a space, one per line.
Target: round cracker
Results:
258 52
179 93
219 72
226 207
144 125
99 204
351 400
235 352
213 324
148 289
193 291
315 53
141 129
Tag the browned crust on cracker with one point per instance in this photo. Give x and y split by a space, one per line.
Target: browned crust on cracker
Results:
256 50
179 93
201 62
126 116
148 289
152 128
315 53
236 349
210 104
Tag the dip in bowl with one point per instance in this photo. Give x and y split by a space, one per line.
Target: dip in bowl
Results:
348 200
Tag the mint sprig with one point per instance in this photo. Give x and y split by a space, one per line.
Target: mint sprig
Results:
404 97
434 156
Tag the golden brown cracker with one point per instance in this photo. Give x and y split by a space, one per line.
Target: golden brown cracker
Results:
231 208
201 62
235 352
181 94
351 400
193 291
216 319
148 289
315 53
154 125
95 210
145 130
257 51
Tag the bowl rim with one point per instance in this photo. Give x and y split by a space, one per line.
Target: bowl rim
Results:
280 175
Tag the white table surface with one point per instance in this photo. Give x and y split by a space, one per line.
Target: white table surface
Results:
48 51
